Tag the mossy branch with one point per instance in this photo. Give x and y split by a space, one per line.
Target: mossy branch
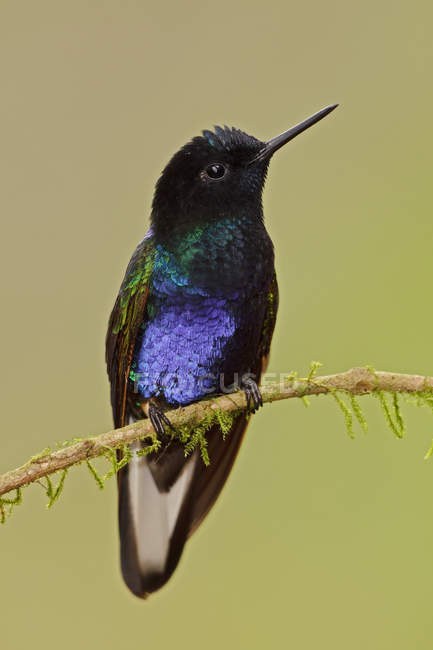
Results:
193 421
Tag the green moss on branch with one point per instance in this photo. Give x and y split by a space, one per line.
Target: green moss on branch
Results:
191 424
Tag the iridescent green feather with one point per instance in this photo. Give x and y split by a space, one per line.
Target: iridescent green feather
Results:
127 316
136 280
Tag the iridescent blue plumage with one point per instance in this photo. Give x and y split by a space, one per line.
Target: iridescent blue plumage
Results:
198 335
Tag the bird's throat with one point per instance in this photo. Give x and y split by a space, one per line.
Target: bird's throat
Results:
218 257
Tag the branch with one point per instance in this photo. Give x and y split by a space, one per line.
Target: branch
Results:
357 381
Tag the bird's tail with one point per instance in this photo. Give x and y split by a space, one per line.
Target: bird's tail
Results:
163 498
154 518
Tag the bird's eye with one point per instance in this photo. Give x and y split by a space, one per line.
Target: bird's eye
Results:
215 171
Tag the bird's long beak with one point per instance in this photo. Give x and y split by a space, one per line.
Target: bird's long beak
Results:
276 143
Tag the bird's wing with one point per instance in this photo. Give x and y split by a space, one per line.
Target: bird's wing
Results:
125 321
209 481
268 325
154 509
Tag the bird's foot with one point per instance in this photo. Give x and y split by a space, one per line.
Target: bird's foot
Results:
159 419
252 393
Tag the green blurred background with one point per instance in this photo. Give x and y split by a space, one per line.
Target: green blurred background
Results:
318 541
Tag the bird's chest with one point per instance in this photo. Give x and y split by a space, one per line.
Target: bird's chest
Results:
204 316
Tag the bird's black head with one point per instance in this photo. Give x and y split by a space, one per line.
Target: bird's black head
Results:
216 175
208 178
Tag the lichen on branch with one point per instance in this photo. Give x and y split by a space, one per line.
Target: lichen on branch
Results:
191 423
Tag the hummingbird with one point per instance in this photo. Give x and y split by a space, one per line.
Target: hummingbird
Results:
194 317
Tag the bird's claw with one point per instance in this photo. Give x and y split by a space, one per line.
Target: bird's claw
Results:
252 393
159 419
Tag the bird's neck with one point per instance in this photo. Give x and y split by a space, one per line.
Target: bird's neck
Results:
212 231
